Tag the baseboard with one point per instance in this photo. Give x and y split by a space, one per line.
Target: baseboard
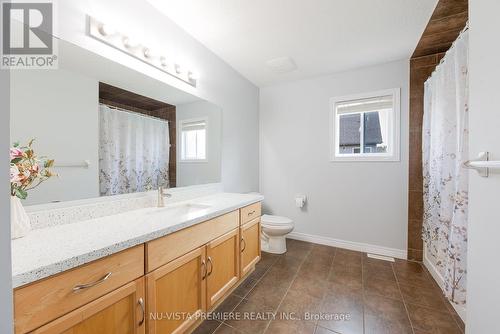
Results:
356 246
461 310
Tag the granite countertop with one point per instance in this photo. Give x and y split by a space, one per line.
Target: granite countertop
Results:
48 251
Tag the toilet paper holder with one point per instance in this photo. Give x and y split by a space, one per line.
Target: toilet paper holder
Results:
300 200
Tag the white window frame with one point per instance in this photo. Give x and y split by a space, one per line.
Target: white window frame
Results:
394 142
180 127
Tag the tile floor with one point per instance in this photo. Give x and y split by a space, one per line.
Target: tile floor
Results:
377 296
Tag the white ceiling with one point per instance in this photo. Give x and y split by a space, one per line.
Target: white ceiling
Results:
321 36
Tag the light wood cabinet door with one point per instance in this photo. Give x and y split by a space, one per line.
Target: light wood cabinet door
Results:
119 312
39 303
176 293
250 245
222 266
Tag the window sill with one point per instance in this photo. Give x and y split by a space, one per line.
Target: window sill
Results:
193 161
365 158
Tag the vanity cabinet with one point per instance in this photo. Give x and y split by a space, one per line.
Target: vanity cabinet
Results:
250 245
223 266
120 312
162 286
176 293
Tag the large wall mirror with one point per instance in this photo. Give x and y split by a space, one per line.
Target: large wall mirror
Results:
112 130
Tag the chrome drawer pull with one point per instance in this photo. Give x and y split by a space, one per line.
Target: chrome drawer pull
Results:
244 244
89 285
211 266
204 270
143 310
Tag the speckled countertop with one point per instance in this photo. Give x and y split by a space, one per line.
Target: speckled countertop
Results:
48 251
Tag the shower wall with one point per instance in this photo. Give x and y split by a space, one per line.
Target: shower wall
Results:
448 19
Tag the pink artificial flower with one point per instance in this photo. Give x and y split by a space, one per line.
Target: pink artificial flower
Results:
15 176
15 153
25 175
35 168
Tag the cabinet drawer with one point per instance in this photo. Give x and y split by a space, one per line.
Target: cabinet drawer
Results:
41 302
165 249
250 212
118 312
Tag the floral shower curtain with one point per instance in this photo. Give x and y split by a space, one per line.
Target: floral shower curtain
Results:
445 148
133 151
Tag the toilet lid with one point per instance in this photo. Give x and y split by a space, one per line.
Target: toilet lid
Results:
275 220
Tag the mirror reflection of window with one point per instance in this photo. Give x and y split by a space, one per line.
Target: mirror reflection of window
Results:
194 140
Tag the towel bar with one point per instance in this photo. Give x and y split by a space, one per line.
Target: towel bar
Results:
83 164
482 164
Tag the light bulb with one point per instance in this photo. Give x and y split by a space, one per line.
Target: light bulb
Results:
192 75
106 29
130 43
147 53
163 61
178 69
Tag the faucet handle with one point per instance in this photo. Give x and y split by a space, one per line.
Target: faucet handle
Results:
162 192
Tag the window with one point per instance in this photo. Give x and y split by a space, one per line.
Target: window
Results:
365 127
193 140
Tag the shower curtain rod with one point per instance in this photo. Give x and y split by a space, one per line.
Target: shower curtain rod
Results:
466 28
134 112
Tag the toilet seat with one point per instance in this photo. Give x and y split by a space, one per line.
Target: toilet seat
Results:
268 220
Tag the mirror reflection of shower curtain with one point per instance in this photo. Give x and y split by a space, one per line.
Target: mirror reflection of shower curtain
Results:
445 148
133 151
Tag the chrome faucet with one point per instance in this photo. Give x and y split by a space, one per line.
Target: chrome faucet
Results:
161 196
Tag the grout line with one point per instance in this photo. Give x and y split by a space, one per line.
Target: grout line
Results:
289 286
244 298
403 299
330 269
257 281
431 278
226 324
363 289
216 328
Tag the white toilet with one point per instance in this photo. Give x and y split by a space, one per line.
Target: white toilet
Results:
274 230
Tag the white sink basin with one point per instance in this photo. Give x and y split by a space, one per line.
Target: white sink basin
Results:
189 209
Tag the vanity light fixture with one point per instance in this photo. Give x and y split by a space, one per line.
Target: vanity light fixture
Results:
108 35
